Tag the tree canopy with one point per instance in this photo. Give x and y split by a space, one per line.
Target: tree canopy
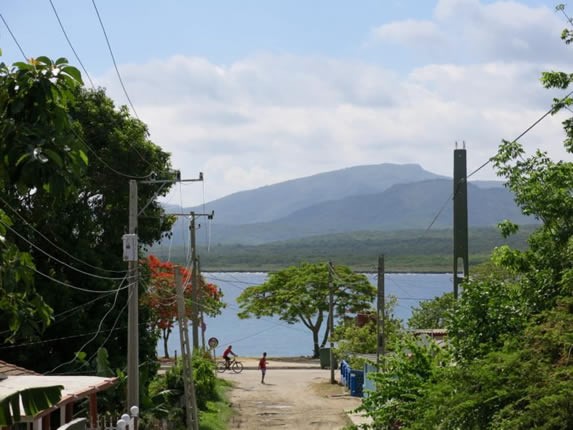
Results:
510 332
39 156
68 214
301 293
161 293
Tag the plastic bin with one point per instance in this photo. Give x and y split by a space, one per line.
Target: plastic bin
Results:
356 382
325 359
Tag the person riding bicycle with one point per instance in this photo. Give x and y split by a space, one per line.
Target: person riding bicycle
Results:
226 354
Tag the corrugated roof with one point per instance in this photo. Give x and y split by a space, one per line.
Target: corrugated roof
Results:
13 370
75 387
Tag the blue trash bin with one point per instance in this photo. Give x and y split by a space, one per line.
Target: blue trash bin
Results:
356 382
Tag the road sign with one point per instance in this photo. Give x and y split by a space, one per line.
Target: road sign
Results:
213 342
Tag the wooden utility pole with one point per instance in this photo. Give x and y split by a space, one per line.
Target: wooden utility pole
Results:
460 219
133 304
196 280
380 312
195 284
131 254
191 415
201 304
331 319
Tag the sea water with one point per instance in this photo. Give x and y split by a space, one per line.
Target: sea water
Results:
251 337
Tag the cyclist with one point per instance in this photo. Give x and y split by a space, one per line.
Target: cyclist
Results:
226 354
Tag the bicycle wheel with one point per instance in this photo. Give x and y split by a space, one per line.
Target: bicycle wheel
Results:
221 366
237 367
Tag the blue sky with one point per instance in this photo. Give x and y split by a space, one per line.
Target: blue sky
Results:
256 92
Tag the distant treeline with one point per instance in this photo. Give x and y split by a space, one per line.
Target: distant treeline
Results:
404 251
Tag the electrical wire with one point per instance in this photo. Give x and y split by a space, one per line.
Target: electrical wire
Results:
6 204
93 275
14 38
65 284
95 335
105 164
70 44
113 59
117 172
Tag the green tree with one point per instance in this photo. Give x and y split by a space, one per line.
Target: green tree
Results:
432 313
401 384
352 338
162 291
38 155
77 240
514 332
301 293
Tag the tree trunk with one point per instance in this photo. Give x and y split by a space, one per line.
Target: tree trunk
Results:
315 342
165 336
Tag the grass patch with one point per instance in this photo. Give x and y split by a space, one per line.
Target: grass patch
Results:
219 412
324 388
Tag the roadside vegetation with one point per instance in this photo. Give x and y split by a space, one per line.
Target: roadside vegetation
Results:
507 363
166 391
67 154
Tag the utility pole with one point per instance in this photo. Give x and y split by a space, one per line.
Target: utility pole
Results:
195 292
191 415
133 302
331 319
131 255
381 312
201 315
195 284
460 218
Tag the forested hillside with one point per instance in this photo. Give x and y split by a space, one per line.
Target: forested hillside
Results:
408 250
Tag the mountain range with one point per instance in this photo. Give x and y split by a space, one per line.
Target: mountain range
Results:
382 197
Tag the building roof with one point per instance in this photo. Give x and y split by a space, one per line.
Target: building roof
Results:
432 331
13 370
75 387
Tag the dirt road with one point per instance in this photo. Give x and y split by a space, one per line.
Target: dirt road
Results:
291 398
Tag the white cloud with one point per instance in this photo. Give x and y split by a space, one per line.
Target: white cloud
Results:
472 31
268 118
410 32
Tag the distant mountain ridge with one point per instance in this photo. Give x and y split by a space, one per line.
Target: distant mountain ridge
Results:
375 197
273 202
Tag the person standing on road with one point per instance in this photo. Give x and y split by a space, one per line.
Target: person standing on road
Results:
263 367
226 354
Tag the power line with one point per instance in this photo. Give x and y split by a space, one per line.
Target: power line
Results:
55 245
70 43
14 38
93 337
65 284
71 128
113 59
93 275
101 160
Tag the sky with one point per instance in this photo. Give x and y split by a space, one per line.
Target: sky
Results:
255 92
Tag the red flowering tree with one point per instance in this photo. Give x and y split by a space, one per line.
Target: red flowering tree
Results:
161 296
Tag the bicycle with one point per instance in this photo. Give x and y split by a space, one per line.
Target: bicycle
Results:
234 365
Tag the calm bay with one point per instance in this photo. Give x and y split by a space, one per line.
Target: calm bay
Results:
250 337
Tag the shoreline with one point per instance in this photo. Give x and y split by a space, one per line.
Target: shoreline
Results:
372 272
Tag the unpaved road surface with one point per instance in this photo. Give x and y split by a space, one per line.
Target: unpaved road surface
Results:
293 398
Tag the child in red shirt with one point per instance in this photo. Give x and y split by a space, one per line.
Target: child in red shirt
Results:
263 367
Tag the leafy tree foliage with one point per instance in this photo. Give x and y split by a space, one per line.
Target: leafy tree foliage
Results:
432 313
487 314
75 236
354 338
38 156
511 333
401 383
162 292
167 392
301 293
